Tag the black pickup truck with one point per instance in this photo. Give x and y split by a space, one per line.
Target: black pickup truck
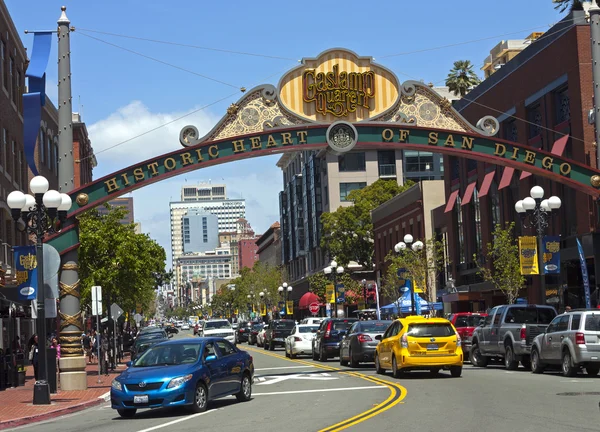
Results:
277 332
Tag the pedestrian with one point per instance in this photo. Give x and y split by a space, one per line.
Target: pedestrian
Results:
87 346
568 309
33 355
104 353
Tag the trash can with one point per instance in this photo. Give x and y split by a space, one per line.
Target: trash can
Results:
51 359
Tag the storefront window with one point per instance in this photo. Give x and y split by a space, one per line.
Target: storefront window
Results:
476 212
460 230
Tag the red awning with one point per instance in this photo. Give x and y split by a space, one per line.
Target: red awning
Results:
506 177
559 145
468 193
451 201
307 299
487 182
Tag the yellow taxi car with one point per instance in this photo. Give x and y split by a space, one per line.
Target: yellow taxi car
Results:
417 343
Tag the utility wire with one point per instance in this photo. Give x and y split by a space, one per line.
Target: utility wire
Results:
162 62
186 45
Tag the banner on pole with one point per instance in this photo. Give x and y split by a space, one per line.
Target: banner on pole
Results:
551 254
330 294
263 309
418 286
528 255
26 271
584 276
290 307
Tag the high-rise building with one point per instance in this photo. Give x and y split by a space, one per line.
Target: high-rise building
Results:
124 202
204 192
200 231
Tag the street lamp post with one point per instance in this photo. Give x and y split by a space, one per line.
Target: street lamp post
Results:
38 213
535 212
333 269
284 289
402 247
262 297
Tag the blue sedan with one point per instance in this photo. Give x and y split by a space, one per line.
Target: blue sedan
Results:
188 372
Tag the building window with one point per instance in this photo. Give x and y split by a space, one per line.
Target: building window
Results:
534 117
562 104
2 62
19 91
510 130
460 231
13 86
416 161
56 158
477 215
346 188
494 201
19 170
4 145
49 151
42 147
352 162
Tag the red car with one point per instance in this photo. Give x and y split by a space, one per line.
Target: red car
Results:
465 323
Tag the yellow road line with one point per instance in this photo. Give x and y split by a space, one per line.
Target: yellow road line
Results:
397 392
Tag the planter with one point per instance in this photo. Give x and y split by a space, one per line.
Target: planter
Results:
21 378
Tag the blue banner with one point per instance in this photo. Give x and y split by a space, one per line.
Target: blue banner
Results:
26 271
584 276
551 254
417 303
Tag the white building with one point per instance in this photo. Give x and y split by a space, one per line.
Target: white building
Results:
204 192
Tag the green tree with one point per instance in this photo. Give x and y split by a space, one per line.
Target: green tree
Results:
113 256
563 5
461 78
503 255
348 231
317 284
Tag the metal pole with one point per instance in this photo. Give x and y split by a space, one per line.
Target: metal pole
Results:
99 311
333 272
540 260
412 297
66 165
41 391
594 12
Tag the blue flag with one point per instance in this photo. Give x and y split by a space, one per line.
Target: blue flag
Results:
26 269
584 276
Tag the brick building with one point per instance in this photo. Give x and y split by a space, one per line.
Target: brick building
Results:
541 95
247 252
269 246
83 153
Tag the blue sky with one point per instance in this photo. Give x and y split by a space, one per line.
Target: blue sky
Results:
122 95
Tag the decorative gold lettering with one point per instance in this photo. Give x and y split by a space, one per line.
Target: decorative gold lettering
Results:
125 179
152 167
467 142
256 144
301 136
199 155
286 138
515 151
547 162
449 141
238 146
565 168
387 135
111 184
403 135
498 152
138 174
213 151
433 138
530 157
186 159
170 163
271 141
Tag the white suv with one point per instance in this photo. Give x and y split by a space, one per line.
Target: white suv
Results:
218 328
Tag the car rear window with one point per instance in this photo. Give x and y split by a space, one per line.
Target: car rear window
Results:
257 326
592 322
529 315
284 325
430 330
374 326
468 321
342 325
308 329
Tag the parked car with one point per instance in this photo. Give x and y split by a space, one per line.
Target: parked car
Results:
277 332
260 337
144 342
465 323
253 336
187 372
185 326
171 330
218 328
326 342
242 331
417 343
507 332
571 340
359 344
300 340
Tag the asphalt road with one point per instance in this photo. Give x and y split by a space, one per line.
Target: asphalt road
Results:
302 395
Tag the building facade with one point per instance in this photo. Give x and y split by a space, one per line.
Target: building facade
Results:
204 192
247 252
83 153
200 231
121 202
537 101
269 246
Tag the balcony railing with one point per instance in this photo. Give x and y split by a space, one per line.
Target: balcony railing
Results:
387 170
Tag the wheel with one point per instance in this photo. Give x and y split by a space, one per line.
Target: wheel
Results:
592 370
342 361
378 367
322 354
271 346
434 371
245 389
526 362
396 373
568 368
314 354
353 362
127 413
265 347
455 371
509 358
200 399
292 355
537 367
286 352
477 359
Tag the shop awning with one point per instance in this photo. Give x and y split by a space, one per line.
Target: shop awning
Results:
506 177
468 193
451 201
307 299
487 182
11 294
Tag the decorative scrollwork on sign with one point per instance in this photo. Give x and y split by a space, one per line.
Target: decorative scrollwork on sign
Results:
488 125
70 266
66 289
68 320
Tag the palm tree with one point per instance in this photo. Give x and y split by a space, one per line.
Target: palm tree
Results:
462 77
563 5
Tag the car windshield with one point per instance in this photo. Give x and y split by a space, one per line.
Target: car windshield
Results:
284 325
430 330
169 355
307 329
374 326
468 321
212 325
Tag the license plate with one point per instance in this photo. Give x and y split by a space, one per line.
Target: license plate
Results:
432 347
140 399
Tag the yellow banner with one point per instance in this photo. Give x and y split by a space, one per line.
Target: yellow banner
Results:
263 310
418 286
330 294
253 308
290 307
528 255
235 311
361 304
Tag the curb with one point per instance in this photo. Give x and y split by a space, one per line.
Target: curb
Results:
59 412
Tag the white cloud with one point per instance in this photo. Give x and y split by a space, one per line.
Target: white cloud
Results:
256 180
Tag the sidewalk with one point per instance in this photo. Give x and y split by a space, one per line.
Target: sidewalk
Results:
16 408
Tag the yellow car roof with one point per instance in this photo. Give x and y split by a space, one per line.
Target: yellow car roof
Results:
417 318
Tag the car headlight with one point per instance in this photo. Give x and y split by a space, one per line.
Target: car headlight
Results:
176 382
117 385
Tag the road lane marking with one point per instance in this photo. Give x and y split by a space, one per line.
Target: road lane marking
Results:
320 390
276 368
274 379
182 419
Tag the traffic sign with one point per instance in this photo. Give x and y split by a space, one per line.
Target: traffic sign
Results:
314 308
137 318
96 300
115 311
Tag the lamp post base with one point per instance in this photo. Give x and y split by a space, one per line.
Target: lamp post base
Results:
41 393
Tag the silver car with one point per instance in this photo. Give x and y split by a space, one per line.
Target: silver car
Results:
359 344
572 340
